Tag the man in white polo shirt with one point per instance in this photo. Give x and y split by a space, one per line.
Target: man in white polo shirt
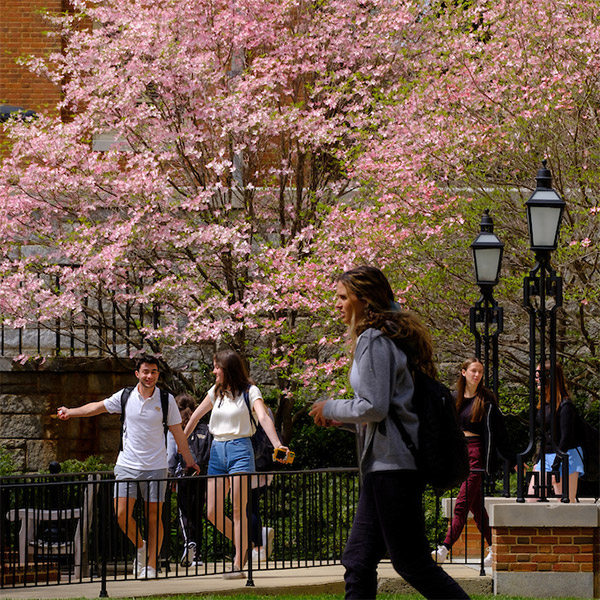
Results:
143 457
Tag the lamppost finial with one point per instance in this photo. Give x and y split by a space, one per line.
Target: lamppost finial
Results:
487 223
544 177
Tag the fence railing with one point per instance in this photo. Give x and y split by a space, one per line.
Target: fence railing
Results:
101 327
61 529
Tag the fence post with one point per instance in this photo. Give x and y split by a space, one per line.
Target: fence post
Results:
102 535
250 580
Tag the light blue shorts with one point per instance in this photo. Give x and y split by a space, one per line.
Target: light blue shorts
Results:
152 484
232 456
575 461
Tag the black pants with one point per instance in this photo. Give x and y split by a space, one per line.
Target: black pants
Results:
191 492
390 517
254 516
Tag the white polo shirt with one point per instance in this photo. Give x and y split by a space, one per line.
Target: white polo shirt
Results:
144 446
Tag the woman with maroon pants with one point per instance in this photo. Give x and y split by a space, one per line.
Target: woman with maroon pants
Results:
483 426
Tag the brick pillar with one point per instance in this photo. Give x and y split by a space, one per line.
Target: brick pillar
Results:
546 550
469 542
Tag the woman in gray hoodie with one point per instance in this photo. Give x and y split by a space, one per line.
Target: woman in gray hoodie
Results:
389 515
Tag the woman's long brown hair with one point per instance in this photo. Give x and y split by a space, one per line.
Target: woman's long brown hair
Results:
381 312
482 394
560 385
235 374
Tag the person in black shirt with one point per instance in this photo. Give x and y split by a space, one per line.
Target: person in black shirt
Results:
483 425
567 435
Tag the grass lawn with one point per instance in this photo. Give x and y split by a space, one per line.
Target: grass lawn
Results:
246 596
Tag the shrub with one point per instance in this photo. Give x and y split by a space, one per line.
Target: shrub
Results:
7 463
91 464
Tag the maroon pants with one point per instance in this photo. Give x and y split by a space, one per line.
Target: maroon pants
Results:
469 497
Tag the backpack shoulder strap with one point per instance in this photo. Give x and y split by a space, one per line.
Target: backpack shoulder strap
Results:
247 401
408 441
164 404
405 436
124 397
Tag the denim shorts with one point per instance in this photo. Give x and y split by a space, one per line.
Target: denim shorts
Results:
151 483
575 461
232 456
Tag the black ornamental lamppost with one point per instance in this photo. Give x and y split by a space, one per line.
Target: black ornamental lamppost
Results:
542 296
487 257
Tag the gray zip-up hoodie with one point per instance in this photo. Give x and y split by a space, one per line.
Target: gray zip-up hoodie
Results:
381 379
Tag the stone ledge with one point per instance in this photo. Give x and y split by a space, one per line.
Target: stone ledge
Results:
544 585
481 586
68 364
448 503
538 514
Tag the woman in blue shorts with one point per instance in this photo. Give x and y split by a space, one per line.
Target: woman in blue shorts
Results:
567 434
231 400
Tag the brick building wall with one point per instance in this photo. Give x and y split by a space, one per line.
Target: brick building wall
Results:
22 32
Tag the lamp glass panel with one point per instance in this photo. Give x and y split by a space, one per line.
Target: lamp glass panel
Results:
487 264
545 221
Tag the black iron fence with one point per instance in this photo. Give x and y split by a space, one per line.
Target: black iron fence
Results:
61 529
101 326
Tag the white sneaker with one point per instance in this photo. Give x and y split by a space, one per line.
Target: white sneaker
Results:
259 555
488 560
268 535
440 554
197 562
189 554
139 562
148 573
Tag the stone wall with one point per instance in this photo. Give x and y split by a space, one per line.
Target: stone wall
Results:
30 395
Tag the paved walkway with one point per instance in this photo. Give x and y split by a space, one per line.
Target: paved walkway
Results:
302 581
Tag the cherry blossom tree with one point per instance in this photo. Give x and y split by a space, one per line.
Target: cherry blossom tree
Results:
259 147
502 86
234 127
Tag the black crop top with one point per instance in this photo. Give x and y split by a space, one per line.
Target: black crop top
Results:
465 418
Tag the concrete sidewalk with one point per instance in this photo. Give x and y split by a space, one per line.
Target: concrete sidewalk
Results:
301 581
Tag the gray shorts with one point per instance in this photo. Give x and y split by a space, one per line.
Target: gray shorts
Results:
152 484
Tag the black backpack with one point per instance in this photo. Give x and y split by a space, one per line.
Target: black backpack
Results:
164 404
263 449
590 444
442 457
199 442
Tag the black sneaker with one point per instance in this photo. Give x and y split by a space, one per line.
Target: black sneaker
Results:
189 554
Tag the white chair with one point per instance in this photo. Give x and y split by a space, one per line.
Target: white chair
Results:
32 543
